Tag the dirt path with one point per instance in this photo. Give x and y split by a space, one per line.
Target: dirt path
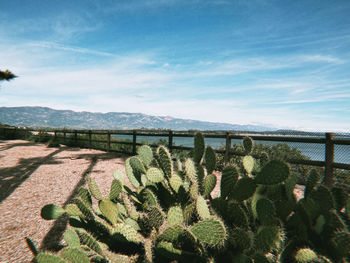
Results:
32 175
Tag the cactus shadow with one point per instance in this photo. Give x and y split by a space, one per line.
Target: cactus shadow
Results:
13 177
15 144
53 237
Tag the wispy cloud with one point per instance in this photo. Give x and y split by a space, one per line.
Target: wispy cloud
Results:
152 5
63 26
227 61
53 45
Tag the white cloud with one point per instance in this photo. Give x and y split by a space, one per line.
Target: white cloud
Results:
57 46
321 58
142 83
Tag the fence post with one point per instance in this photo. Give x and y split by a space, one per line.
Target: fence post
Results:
133 142
90 138
227 148
329 158
170 141
108 141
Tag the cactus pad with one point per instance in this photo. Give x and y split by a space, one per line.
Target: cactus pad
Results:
145 153
211 232
191 171
118 175
229 178
172 233
109 210
155 216
175 182
177 165
200 177
74 255
244 189
273 172
248 145
241 239
342 243
311 182
175 216
48 258
84 194
90 241
116 188
51 211
132 223
188 212
31 246
340 197
155 175
130 174
165 160
268 238
166 249
94 190
137 166
149 198
198 147
305 255
290 185
248 163
266 211
127 232
209 184
73 210
71 238
202 208
210 159
260 258
194 191
85 210
323 198
236 215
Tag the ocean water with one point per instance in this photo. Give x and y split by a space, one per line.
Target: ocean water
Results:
314 151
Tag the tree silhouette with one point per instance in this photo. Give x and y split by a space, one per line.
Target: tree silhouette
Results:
6 75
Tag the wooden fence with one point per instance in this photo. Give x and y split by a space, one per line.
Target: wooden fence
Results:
327 140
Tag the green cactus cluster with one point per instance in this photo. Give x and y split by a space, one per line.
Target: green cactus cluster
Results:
171 215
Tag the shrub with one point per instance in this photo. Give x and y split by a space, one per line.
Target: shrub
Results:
53 143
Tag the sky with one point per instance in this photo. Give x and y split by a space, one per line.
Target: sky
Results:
283 64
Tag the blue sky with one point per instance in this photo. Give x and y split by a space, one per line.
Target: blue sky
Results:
280 63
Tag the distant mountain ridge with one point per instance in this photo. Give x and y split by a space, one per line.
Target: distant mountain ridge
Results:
47 117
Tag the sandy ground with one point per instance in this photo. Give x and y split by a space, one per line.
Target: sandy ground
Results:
31 176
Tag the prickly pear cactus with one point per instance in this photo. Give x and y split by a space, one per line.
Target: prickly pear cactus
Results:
168 214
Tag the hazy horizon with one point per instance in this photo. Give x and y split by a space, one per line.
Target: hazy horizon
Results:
271 63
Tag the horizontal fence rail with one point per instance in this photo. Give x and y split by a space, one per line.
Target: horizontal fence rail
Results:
325 139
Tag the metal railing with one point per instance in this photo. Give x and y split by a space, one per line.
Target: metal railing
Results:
328 140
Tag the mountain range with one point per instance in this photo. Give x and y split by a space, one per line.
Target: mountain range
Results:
38 117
